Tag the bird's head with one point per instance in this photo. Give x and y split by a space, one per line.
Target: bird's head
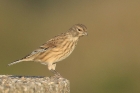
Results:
78 30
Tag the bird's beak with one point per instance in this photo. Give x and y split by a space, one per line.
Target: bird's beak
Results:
85 33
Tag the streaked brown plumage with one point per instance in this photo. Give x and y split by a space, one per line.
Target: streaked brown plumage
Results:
57 48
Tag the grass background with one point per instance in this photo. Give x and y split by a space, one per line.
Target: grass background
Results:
106 61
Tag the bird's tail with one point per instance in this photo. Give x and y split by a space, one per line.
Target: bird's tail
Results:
15 62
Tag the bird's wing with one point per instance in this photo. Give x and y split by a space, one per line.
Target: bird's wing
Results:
52 43
45 47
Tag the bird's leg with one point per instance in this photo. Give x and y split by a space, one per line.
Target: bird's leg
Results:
56 73
51 67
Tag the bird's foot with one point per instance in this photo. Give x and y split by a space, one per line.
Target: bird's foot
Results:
56 74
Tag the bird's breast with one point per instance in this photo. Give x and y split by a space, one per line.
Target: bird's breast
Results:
66 49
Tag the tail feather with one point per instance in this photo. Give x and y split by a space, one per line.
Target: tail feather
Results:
15 62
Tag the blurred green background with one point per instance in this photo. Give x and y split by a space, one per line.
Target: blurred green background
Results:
106 61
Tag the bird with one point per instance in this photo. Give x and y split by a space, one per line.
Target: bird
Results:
56 49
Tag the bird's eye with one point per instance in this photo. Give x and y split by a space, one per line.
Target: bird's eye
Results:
79 30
